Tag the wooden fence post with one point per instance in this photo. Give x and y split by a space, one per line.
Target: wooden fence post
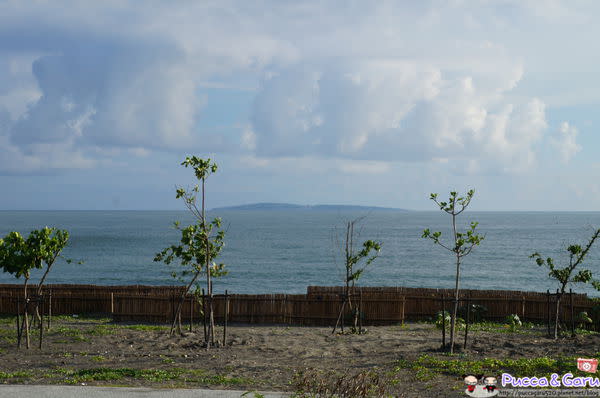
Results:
403 305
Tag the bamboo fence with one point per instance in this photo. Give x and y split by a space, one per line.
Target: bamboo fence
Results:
319 306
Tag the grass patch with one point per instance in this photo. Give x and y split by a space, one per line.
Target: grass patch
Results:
17 376
197 376
498 327
426 366
73 333
166 359
7 320
146 328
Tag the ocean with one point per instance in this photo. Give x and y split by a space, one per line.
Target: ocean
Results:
284 251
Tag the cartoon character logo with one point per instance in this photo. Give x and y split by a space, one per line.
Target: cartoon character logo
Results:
587 365
479 386
490 385
471 383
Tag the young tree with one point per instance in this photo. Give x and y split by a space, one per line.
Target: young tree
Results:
354 268
16 260
567 275
200 243
462 243
18 256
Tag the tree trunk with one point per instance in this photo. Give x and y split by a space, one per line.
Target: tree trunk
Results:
455 309
456 287
39 290
209 291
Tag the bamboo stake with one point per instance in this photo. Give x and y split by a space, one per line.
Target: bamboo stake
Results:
191 314
49 308
572 315
204 317
225 319
41 323
443 322
556 304
18 321
338 318
548 310
467 323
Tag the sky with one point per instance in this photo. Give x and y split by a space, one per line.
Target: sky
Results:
325 102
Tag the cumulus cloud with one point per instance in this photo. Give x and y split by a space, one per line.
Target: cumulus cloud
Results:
82 78
565 142
396 110
421 81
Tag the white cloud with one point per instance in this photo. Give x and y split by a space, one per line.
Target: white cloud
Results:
565 142
397 110
391 81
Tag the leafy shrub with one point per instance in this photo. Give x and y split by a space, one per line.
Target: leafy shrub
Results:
514 322
444 317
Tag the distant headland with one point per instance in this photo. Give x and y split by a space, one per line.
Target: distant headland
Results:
290 206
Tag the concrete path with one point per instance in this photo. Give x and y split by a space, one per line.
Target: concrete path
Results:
33 391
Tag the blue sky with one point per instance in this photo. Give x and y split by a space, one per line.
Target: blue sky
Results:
367 103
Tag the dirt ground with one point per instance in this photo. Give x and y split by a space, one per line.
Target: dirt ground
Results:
259 357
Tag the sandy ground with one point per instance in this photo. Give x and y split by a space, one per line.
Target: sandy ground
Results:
262 357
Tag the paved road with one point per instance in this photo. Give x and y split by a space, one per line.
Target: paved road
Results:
30 391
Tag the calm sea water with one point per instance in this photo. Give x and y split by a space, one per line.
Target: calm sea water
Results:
285 251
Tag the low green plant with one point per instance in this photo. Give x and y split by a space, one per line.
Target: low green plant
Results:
504 327
253 394
15 375
476 312
584 320
514 322
428 366
147 328
166 359
444 317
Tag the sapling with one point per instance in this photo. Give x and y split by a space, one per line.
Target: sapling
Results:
19 256
565 276
462 243
200 243
355 264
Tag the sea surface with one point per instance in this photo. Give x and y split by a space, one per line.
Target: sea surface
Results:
284 251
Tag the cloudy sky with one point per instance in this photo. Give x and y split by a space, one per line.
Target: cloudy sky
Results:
348 102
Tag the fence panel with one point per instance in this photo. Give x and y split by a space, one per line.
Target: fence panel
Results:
319 306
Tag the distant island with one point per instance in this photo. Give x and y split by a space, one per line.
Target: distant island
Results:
290 206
